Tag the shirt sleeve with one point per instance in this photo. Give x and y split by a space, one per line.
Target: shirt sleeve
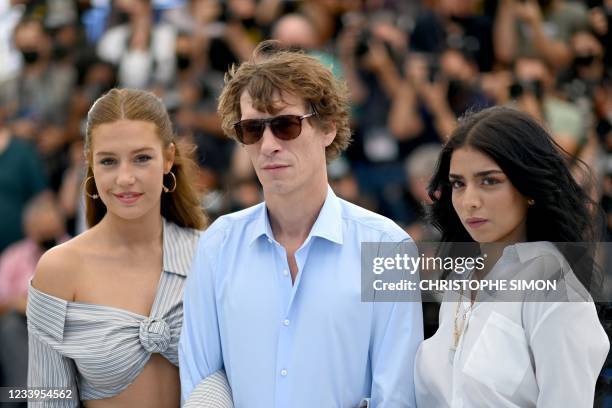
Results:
200 343
397 333
569 348
48 369
213 391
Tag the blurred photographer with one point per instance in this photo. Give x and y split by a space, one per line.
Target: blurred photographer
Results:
297 31
583 79
455 24
44 227
142 50
533 91
371 51
444 88
587 84
537 28
44 84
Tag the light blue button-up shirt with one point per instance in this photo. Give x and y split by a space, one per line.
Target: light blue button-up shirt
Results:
308 344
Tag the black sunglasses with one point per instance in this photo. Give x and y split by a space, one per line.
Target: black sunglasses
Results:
284 127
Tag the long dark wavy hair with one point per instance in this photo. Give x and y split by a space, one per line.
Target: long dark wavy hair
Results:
536 167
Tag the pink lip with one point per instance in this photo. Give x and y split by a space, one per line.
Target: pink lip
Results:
476 222
274 166
128 198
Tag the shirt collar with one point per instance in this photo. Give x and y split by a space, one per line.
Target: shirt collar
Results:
328 224
527 251
177 251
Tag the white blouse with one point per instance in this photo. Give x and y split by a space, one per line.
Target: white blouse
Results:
515 354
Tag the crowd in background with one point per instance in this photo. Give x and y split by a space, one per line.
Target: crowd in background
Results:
413 68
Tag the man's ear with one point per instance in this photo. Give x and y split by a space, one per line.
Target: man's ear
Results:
169 155
330 135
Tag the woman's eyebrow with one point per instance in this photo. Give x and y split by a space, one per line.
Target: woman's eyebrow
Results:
487 172
477 174
142 149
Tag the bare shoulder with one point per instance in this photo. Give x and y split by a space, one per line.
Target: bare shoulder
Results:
56 272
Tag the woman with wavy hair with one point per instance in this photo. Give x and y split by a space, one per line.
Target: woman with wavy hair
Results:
502 184
105 309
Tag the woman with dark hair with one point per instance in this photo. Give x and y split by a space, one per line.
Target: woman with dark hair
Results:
502 184
105 309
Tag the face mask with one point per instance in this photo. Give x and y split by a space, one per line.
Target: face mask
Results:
60 51
249 23
456 87
47 244
123 17
544 4
584 60
30 56
518 88
183 62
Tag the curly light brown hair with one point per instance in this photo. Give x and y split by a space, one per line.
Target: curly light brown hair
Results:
272 72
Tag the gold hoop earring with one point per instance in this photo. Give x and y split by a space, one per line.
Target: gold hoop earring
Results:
92 196
531 201
170 190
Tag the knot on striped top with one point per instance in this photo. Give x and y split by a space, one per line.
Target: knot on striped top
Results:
154 335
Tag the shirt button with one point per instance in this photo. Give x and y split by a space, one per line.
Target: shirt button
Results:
286 272
283 372
286 322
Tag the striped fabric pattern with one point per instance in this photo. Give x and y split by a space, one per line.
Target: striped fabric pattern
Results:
212 392
99 350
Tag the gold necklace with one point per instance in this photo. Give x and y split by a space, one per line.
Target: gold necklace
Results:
458 331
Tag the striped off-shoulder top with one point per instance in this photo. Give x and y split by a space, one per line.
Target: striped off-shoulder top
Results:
98 351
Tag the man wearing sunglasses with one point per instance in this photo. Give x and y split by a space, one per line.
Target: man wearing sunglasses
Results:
274 295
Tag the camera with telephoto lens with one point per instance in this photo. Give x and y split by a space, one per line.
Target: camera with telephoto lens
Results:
520 88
